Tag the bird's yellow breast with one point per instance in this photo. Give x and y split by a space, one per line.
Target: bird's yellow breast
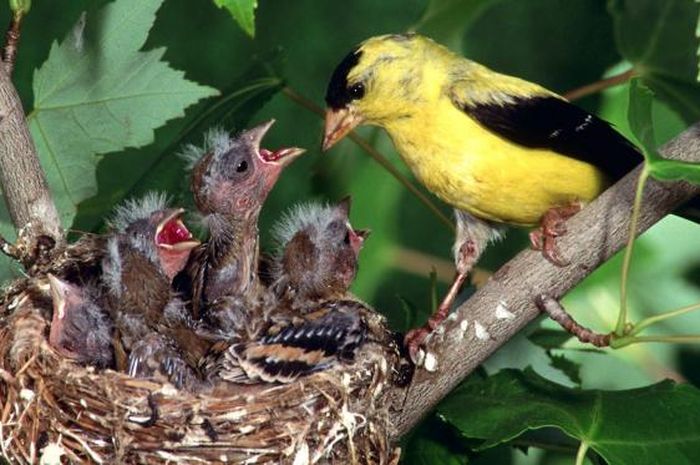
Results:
478 171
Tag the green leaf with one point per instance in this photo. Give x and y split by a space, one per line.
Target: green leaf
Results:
571 369
658 38
243 11
639 118
447 20
20 6
640 121
649 425
433 442
96 93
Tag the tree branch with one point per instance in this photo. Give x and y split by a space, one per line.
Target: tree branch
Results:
24 186
501 308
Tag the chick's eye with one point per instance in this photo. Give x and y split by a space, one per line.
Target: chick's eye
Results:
357 91
346 239
241 166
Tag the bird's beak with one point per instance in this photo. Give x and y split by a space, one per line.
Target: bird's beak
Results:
282 157
58 296
363 233
172 234
255 135
338 123
345 204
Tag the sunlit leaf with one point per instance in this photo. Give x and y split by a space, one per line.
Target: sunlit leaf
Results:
96 93
243 11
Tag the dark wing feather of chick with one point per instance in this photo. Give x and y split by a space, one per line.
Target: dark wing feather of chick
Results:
332 333
549 122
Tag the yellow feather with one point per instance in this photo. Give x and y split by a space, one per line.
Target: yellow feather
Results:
412 83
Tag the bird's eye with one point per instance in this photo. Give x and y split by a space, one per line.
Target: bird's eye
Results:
357 91
346 240
242 166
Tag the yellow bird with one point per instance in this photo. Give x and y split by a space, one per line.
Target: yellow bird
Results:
499 149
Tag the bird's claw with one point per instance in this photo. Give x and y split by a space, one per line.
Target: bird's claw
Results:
553 226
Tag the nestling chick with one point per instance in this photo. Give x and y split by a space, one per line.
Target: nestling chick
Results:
150 246
318 254
231 178
330 333
316 323
80 329
499 149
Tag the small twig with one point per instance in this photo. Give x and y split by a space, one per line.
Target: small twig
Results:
598 86
11 42
558 313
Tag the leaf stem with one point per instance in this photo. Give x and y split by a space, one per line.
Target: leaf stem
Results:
621 325
646 322
617 343
372 152
581 454
599 86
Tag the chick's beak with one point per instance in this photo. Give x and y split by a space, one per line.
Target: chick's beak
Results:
282 157
58 296
255 135
172 234
339 122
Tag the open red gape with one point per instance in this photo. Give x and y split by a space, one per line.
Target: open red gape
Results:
173 232
269 155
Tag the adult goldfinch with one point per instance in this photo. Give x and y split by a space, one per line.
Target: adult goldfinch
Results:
499 149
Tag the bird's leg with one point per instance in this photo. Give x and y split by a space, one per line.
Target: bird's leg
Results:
553 225
472 237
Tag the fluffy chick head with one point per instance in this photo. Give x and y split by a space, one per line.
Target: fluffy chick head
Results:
80 330
149 227
318 250
233 175
383 79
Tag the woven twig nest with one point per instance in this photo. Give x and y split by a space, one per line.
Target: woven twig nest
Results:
55 411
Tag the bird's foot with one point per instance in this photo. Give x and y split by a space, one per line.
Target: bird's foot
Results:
416 338
553 225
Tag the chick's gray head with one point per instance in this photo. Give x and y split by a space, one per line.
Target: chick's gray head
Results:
80 330
147 226
233 175
318 250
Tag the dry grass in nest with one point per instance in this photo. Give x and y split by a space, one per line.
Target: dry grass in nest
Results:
54 411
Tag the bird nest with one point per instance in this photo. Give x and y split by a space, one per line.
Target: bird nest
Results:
56 411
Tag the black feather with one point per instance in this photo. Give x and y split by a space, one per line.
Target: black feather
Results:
555 124
338 95
335 333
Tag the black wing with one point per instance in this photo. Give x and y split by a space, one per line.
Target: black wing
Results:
307 347
549 122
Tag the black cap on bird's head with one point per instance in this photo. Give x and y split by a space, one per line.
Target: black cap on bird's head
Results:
233 175
319 249
153 229
368 71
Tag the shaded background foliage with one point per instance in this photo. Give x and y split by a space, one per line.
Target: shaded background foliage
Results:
562 44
